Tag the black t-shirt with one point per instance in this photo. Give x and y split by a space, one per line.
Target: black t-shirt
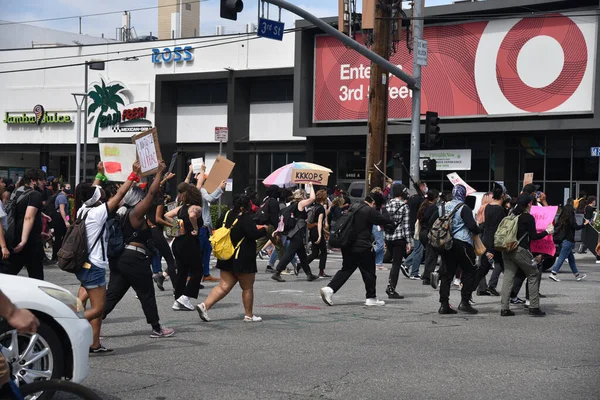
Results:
414 203
46 194
494 214
314 232
33 199
151 216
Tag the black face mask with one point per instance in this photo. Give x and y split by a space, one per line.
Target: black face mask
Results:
67 191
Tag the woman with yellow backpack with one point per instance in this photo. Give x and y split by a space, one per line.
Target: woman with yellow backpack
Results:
236 257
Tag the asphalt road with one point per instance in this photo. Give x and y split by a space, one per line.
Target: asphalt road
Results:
305 349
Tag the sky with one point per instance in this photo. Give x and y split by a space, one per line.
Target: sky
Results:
145 21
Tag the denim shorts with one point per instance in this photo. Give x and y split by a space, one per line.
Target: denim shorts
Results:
92 277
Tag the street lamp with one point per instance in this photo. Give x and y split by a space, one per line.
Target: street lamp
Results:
96 66
79 103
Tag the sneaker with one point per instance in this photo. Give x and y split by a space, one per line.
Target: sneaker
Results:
163 333
159 279
554 278
100 350
493 291
179 307
507 313
269 269
277 277
322 274
326 295
517 300
262 254
527 304
381 268
405 270
466 307
536 312
580 277
312 277
210 278
296 269
185 301
471 301
597 261
201 308
435 279
456 282
392 294
484 293
447 309
374 302
253 318
416 277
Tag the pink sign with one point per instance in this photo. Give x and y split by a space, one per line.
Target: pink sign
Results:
544 216
457 180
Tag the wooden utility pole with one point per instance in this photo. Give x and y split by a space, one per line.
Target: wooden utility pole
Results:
378 96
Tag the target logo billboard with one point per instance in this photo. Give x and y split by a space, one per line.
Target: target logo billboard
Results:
542 65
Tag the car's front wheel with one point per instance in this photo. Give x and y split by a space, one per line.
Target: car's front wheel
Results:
33 357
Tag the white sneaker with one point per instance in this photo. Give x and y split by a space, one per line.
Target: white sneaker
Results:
581 277
185 302
374 302
253 318
326 294
597 261
554 278
201 308
456 282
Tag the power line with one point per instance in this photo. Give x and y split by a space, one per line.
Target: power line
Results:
99 14
139 56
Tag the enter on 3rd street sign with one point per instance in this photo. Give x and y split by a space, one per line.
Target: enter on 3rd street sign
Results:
270 29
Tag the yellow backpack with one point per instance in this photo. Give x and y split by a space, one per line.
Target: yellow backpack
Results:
223 247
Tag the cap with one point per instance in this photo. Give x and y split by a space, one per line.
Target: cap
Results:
524 200
530 188
50 178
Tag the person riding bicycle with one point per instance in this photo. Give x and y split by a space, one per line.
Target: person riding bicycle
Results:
23 321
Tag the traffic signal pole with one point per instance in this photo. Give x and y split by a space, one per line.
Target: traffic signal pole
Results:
415 134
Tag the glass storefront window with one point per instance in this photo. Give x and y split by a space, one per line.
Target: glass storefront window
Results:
558 158
279 160
264 165
351 165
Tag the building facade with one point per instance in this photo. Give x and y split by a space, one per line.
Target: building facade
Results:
515 94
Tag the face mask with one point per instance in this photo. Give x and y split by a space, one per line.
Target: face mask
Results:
67 191
426 190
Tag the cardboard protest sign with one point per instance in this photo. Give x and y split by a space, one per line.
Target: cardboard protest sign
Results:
457 180
315 177
544 216
220 171
148 151
527 178
118 159
197 164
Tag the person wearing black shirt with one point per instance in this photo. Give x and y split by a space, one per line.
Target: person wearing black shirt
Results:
316 231
522 258
427 209
268 215
568 225
28 247
413 261
359 254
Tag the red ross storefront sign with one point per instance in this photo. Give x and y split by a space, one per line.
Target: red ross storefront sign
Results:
501 67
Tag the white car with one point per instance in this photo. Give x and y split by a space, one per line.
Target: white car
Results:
60 348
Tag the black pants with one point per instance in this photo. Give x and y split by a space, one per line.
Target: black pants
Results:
296 246
320 251
165 251
59 233
398 254
431 257
132 270
483 270
498 269
188 256
460 255
31 257
365 261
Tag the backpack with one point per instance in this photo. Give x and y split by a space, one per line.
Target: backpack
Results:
440 234
11 215
116 241
311 213
262 215
560 234
342 233
74 250
223 247
49 208
505 238
289 219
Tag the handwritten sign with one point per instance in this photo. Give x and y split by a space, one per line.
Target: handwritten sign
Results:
148 151
315 177
118 159
527 178
197 164
457 180
220 171
544 216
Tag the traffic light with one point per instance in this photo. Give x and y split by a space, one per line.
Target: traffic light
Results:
432 130
429 166
231 8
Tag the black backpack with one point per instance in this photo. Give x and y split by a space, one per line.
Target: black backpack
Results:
11 215
289 219
116 241
342 232
262 215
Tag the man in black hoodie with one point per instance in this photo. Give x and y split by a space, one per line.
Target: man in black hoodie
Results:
268 214
359 254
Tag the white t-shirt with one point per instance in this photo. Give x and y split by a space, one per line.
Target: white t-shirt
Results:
96 219
3 219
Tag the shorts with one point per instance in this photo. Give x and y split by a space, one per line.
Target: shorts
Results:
91 278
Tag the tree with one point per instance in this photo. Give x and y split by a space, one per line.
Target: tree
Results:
105 98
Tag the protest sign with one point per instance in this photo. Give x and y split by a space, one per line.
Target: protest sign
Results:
220 171
527 178
148 151
544 216
315 177
197 164
457 180
173 161
118 159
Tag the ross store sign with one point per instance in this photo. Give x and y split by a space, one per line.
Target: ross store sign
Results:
113 113
514 66
37 117
177 54
448 160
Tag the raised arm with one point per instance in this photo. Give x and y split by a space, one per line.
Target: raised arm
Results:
214 196
172 214
307 202
136 216
201 177
114 201
188 178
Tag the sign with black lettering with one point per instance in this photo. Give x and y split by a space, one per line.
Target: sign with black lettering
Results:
310 176
148 151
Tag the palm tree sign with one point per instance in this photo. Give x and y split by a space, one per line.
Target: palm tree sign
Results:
106 98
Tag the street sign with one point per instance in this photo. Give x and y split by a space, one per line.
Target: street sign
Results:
221 134
270 29
595 151
421 52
